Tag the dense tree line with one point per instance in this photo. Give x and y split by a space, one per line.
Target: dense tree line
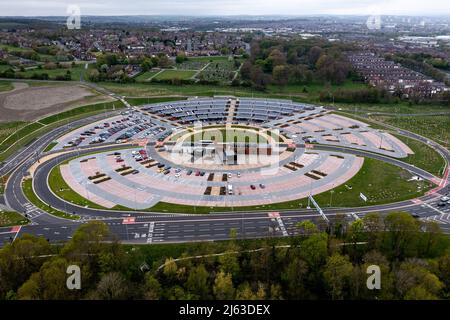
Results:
413 256
296 61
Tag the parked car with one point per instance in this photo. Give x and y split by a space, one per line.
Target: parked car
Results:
253 187
262 186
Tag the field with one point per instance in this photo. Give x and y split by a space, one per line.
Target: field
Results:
175 74
230 135
8 128
8 219
31 103
42 57
157 89
436 128
14 136
145 76
32 131
424 156
5 85
76 72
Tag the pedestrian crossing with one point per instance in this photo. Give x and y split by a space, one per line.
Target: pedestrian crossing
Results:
31 211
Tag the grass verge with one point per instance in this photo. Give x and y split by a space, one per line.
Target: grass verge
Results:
59 187
8 219
27 187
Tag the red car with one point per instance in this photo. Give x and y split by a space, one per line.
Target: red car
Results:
253 187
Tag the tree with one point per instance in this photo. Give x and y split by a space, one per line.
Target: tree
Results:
49 283
197 282
259 79
153 288
229 262
415 281
112 286
314 55
181 57
170 268
147 64
294 276
402 234
246 70
307 228
18 261
280 75
337 273
223 286
314 250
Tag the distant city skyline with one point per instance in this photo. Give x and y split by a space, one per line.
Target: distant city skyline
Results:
226 7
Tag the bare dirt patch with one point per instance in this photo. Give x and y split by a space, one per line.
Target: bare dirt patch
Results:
31 103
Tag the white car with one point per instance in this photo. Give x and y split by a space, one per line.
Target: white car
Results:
444 199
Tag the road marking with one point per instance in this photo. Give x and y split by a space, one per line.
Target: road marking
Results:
435 209
151 228
18 228
131 220
276 215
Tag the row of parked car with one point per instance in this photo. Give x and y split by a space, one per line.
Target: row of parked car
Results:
139 128
112 128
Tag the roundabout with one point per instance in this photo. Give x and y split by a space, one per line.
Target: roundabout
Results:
183 158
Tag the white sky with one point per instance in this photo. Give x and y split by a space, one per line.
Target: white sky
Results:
225 7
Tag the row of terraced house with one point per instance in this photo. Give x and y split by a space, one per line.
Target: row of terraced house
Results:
378 72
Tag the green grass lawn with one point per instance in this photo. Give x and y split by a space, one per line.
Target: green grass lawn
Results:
50 146
42 57
145 76
5 85
16 135
142 101
27 187
436 128
424 157
8 219
98 107
159 89
231 135
63 190
395 108
36 129
53 73
175 74
8 128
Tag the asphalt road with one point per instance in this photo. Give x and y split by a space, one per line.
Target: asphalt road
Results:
138 227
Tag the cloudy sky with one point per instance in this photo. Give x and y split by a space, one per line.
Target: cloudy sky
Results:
225 7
